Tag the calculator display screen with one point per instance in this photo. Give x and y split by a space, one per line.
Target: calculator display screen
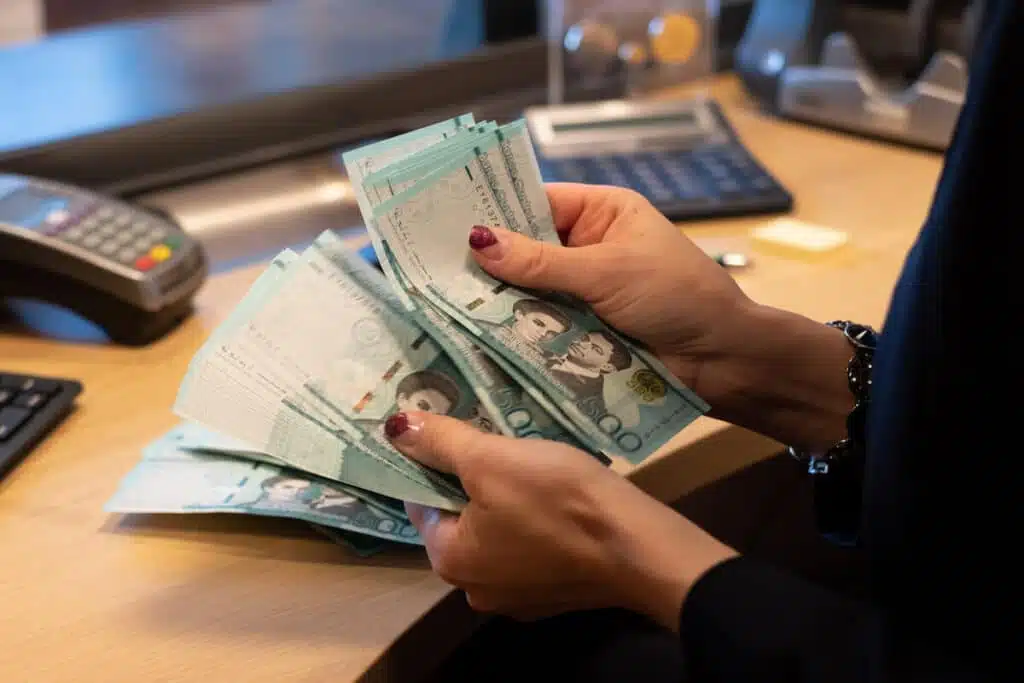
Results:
29 207
686 119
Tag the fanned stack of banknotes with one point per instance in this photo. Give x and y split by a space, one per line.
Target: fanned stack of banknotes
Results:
284 406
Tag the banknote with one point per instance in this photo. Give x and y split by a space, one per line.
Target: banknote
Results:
506 406
364 546
400 173
299 331
189 437
362 161
395 172
623 399
361 356
521 164
506 159
169 480
235 390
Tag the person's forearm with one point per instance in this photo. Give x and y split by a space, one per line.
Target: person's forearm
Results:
659 555
782 375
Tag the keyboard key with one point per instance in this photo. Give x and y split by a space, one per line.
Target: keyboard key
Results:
30 409
728 187
46 386
31 400
11 418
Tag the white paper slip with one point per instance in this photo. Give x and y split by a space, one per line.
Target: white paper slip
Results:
797 234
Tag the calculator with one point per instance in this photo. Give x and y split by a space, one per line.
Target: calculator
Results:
30 408
683 156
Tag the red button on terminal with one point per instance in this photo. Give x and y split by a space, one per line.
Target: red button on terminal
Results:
144 263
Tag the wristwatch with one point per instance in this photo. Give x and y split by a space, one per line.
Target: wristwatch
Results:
838 472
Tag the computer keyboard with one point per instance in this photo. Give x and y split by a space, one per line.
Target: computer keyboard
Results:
30 408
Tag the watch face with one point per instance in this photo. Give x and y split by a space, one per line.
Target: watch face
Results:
861 336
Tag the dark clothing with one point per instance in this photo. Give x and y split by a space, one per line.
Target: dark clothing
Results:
939 491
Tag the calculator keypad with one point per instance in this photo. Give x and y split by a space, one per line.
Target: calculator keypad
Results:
703 182
123 236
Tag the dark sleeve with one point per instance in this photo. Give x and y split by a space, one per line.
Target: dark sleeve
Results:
939 524
745 621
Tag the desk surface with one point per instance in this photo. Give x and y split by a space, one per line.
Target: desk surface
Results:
90 596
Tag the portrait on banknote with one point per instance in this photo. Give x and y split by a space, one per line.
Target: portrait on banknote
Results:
586 362
538 322
429 391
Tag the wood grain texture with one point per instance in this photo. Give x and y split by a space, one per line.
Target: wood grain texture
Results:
86 596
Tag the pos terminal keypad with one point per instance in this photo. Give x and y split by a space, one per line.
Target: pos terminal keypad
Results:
126 237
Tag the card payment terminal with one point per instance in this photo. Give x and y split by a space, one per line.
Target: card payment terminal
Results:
129 271
682 155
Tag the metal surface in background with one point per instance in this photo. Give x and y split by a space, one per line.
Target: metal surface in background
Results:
247 216
132 107
229 120
253 212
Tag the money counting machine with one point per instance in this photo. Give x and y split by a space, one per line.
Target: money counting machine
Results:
885 69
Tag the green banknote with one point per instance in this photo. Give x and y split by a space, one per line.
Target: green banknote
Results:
364 546
239 386
316 330
359 354
171 480
505 157
363 161
619 396
194 438
519 407
403 172
506 404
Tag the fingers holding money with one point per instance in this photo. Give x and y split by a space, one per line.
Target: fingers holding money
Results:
538 534
584 214
437 441
439 531
519 260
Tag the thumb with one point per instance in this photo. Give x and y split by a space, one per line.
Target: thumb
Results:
519 260
438 530
441 442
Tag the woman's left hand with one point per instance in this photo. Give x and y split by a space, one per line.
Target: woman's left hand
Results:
548 529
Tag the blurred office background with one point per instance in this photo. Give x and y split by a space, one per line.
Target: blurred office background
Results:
227 114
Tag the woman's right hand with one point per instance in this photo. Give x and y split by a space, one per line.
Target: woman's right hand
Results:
641 275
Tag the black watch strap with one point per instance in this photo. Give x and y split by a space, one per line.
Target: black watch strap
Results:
838 473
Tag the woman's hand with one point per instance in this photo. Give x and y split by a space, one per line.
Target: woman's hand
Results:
632 266
548 529
771 371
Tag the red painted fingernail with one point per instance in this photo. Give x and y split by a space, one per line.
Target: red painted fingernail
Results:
396 425
481 237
